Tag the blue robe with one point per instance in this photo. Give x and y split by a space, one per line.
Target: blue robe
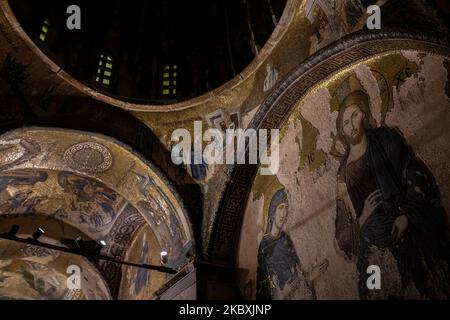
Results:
276 257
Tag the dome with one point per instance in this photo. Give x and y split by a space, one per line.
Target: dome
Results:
151 52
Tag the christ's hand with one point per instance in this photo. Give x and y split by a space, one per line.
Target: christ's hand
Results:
373 200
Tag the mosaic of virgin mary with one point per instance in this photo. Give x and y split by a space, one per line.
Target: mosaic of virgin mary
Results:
280 274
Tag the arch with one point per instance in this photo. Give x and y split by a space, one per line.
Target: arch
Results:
88 115
278 106
98 186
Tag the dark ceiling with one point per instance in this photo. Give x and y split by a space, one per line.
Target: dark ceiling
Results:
153 52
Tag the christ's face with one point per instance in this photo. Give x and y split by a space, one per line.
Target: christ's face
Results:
281 215
353 124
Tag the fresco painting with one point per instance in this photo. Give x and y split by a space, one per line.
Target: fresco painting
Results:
68 204
17 151
358 187
77 200
95 204
387 199
140 283
40 274
16 195
280 274
164 219
330 19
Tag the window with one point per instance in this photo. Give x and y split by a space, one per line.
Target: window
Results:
105 70
169 80
44 30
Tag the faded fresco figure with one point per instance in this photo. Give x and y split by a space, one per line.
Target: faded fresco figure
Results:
23 200
279 274
23 149
31 280
93 202
321 15
353 13
142 275
387 199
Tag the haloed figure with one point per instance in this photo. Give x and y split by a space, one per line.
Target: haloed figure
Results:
280 275
387 199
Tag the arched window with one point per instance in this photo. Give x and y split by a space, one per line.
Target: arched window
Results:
104 70
44 30
169 80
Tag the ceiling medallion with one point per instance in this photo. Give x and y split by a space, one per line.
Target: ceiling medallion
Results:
88 157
